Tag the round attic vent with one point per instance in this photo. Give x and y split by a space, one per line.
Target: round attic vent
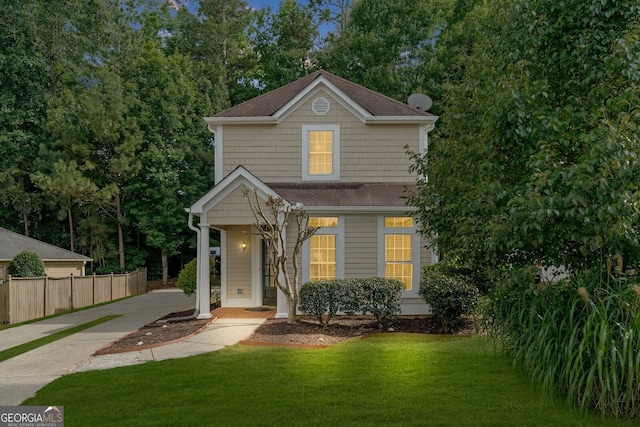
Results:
320 106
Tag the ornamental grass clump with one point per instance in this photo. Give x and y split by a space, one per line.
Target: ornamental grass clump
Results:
579 338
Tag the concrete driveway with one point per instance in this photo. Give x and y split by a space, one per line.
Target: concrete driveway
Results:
22 376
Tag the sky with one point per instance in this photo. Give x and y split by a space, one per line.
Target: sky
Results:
257 4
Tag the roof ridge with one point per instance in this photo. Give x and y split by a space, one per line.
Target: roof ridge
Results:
268 103
33 245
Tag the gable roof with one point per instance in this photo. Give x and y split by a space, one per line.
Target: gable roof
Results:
371 105
239 176
12 244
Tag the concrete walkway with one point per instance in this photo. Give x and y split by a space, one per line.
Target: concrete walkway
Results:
22 376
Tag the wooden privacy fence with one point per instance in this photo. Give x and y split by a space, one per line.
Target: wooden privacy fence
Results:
27 298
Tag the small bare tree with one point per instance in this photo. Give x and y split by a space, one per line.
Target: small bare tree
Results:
271 226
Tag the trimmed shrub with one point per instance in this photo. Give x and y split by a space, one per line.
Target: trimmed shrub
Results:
450 296
379 297
188 277
321 298
351 297
578 338
26 264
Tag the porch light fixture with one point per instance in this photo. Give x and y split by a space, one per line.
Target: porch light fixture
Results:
244 246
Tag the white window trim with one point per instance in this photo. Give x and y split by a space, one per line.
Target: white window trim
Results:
336 153
306 248
415 251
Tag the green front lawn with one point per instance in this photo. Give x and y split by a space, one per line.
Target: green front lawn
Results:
380 381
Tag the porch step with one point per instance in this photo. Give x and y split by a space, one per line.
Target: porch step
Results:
243 313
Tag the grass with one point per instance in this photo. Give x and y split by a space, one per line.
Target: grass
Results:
62 313
382 381
577 338
28 346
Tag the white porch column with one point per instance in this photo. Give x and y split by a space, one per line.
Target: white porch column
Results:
204 276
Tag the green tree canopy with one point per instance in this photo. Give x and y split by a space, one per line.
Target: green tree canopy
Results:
536 157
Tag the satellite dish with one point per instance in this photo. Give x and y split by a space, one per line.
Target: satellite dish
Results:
420 101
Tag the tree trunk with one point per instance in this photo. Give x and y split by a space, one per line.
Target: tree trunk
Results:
25 218
69 214
165 269
119 220
293 308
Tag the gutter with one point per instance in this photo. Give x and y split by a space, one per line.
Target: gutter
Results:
196 311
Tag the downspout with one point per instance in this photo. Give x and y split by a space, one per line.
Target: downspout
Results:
196 311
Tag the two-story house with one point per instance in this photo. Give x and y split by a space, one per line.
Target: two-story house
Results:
339 150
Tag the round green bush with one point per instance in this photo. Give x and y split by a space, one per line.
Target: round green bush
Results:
187 277
449 296
26 264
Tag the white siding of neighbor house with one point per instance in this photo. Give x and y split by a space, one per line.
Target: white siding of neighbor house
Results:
63 268
368 153
52 268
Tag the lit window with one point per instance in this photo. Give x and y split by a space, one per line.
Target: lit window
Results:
320 152
399 258
323 257
399 250
398 221
328 221
325 249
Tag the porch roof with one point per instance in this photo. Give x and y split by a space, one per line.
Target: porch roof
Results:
345 194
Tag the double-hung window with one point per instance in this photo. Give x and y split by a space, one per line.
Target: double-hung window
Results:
321 153
400 251
325 250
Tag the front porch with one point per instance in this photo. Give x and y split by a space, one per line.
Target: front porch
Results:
244 313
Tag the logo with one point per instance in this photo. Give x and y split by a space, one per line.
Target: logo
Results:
31 416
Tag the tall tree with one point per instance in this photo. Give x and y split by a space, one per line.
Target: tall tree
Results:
92 124
171 150
385 42
215 37
32 52
283 43
537 154
70 188
332 12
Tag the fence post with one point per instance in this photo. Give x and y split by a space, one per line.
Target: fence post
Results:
8 299
111 288
93 287
44 299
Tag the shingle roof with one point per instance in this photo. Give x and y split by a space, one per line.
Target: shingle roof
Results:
12 244
375 103
345 194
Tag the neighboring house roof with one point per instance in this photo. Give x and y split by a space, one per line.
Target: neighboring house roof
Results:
345 194
12 244
370 106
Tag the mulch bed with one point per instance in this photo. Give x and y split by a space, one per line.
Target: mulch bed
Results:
158 333
306 332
